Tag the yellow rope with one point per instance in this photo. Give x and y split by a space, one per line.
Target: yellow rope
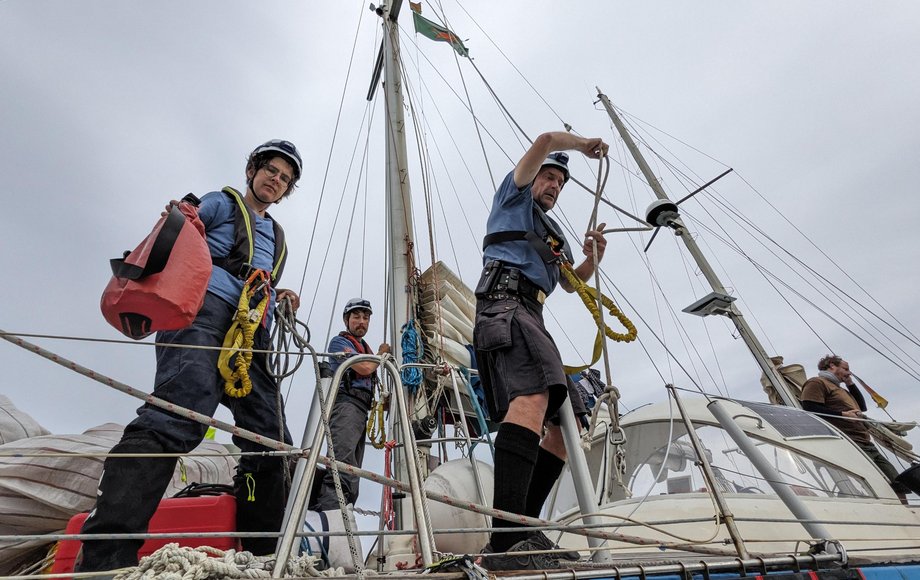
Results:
241 336
588 295
376 431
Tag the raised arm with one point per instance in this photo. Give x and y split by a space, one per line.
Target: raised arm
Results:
529 165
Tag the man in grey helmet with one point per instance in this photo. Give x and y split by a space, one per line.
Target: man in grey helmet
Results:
348 422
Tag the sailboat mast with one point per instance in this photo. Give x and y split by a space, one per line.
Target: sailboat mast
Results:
401 247
680 230
398 192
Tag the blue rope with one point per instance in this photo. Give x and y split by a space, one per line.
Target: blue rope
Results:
412 351
305 544
474 400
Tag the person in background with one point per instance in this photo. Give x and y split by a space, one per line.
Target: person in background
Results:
348 422
843 408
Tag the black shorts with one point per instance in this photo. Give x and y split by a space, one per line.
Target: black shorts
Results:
516 355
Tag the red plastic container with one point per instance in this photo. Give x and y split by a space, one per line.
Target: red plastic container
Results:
214 513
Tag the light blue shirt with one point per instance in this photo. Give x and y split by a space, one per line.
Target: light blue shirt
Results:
217 213
513 210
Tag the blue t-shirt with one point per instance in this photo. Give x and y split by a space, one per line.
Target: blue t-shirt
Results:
217 213
512 210
339 344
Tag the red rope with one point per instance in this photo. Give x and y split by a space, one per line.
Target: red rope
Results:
389 513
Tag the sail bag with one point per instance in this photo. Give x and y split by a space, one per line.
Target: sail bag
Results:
161 284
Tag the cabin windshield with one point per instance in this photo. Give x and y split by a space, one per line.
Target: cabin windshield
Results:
657 468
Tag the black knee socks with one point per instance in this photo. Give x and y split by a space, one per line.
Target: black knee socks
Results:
545 473
516 450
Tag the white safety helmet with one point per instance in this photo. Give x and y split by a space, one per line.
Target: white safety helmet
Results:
357 304
286 149
559 160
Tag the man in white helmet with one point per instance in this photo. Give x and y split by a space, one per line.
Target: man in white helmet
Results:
519 364
242 238
348 422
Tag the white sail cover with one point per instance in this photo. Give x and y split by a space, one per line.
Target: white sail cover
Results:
40 490
448 314
14 424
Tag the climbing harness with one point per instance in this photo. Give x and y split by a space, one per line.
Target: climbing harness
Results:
239 260
589 297
361 347
241 336
552 248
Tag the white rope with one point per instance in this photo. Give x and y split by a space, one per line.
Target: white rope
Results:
172 562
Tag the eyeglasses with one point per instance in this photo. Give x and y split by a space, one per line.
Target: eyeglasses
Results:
273 172
561 157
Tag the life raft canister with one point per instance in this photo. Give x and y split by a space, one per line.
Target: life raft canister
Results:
161 284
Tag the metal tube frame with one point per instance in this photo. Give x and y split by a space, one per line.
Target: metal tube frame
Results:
724 512
789 498
581 477
299 495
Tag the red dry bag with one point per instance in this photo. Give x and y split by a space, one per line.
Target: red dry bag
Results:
162 283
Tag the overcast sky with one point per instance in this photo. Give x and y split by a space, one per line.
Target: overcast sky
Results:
111 108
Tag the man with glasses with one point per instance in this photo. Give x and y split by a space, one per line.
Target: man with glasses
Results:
348 422
519 364
242 238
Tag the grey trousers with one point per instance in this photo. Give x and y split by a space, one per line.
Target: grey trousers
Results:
348 426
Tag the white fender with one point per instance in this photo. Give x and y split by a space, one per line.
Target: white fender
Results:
457 480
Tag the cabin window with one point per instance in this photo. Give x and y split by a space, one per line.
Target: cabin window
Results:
667 471
659 469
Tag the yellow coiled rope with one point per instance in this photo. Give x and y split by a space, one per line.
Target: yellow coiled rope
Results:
588 295
240 338
376 432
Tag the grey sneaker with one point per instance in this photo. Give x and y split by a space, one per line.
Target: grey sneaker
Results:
512 560
540 539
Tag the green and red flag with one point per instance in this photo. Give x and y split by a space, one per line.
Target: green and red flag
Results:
438 33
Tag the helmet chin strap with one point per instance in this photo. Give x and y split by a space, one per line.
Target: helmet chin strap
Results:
256 195
260 200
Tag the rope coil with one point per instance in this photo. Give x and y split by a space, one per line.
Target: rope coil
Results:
412 351
376 431
241 336
172 562
589 296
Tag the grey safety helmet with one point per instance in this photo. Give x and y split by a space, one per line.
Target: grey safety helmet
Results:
284 148
357 304
559 160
